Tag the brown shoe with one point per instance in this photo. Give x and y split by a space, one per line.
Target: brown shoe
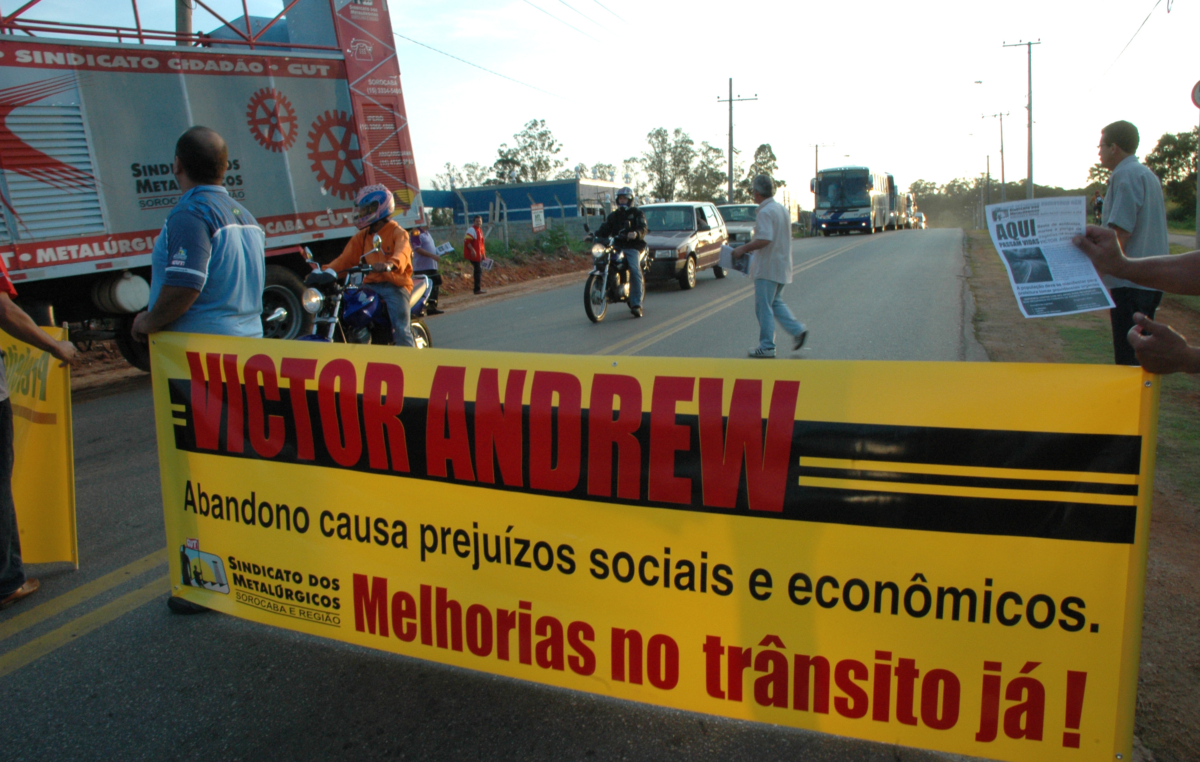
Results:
29 588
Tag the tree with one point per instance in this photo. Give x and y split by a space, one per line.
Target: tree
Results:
669 162
1099 174
603 172
633 175
534 156
451 178
475 174
683 152
764 163
1174 158
1174 161
706 178
656 162
471 175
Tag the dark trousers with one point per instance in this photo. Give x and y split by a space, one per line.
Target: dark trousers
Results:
1129 301
436 281
12 573
478 273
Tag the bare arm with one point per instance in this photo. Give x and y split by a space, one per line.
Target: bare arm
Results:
172 302
19 325
1178 274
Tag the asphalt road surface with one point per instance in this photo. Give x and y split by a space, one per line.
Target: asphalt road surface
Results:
95 667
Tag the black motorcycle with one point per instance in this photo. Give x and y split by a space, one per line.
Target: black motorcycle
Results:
610 278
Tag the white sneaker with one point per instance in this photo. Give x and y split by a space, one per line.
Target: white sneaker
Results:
759 352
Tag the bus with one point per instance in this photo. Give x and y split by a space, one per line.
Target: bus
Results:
851 198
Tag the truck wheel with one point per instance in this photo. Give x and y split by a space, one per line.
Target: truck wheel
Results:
282 292
687 278
135 353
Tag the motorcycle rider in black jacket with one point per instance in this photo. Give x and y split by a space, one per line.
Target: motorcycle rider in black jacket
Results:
628 225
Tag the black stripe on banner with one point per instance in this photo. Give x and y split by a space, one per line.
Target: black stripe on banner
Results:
1088 522
980 448
970 481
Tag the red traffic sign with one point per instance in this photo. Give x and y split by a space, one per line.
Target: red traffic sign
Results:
1196 95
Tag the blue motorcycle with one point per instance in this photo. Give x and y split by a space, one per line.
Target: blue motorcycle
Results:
352 312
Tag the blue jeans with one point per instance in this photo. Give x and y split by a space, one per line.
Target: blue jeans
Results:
637 286
396 299
769 307
12 573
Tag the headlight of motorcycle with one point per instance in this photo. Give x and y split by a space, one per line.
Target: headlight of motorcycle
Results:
597 250
311 300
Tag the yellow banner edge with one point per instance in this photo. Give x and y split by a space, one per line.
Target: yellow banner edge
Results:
1136 590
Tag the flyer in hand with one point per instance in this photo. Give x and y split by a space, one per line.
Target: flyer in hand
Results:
1049 275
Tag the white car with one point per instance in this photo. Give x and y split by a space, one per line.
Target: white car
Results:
918 222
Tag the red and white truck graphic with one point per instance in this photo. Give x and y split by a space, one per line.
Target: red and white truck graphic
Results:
87 135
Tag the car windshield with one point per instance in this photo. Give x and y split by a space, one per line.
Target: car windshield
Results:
739 212
660 218
842 189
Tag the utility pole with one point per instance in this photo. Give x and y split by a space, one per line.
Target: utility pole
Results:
732 101
1003 180
989 178
1029 108
183 23
817 163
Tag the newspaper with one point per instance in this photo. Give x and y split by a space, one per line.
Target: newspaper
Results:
486 263
444 249
729 263
1049 276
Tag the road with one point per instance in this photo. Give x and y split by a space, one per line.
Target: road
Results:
94 666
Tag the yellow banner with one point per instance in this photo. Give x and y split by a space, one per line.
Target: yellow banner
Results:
44 470
940 555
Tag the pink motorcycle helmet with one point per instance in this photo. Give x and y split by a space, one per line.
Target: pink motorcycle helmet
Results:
373 203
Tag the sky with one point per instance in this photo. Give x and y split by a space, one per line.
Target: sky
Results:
898 86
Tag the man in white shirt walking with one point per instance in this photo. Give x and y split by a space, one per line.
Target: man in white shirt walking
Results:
771 269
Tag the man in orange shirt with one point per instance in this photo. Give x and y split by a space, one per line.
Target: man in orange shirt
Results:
392 270
475 250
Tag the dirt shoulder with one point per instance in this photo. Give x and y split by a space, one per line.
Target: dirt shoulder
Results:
1168 706
101 367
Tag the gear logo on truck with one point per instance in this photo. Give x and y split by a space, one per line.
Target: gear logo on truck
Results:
272 120
335 154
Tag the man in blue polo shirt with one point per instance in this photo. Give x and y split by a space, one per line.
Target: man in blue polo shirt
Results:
209 263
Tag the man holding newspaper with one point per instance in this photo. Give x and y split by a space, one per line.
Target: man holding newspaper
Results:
771 269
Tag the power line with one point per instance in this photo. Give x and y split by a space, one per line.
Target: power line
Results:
556 18
581 13
1135 34
477 66
605 7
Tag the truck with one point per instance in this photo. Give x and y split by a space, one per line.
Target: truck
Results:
309 103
